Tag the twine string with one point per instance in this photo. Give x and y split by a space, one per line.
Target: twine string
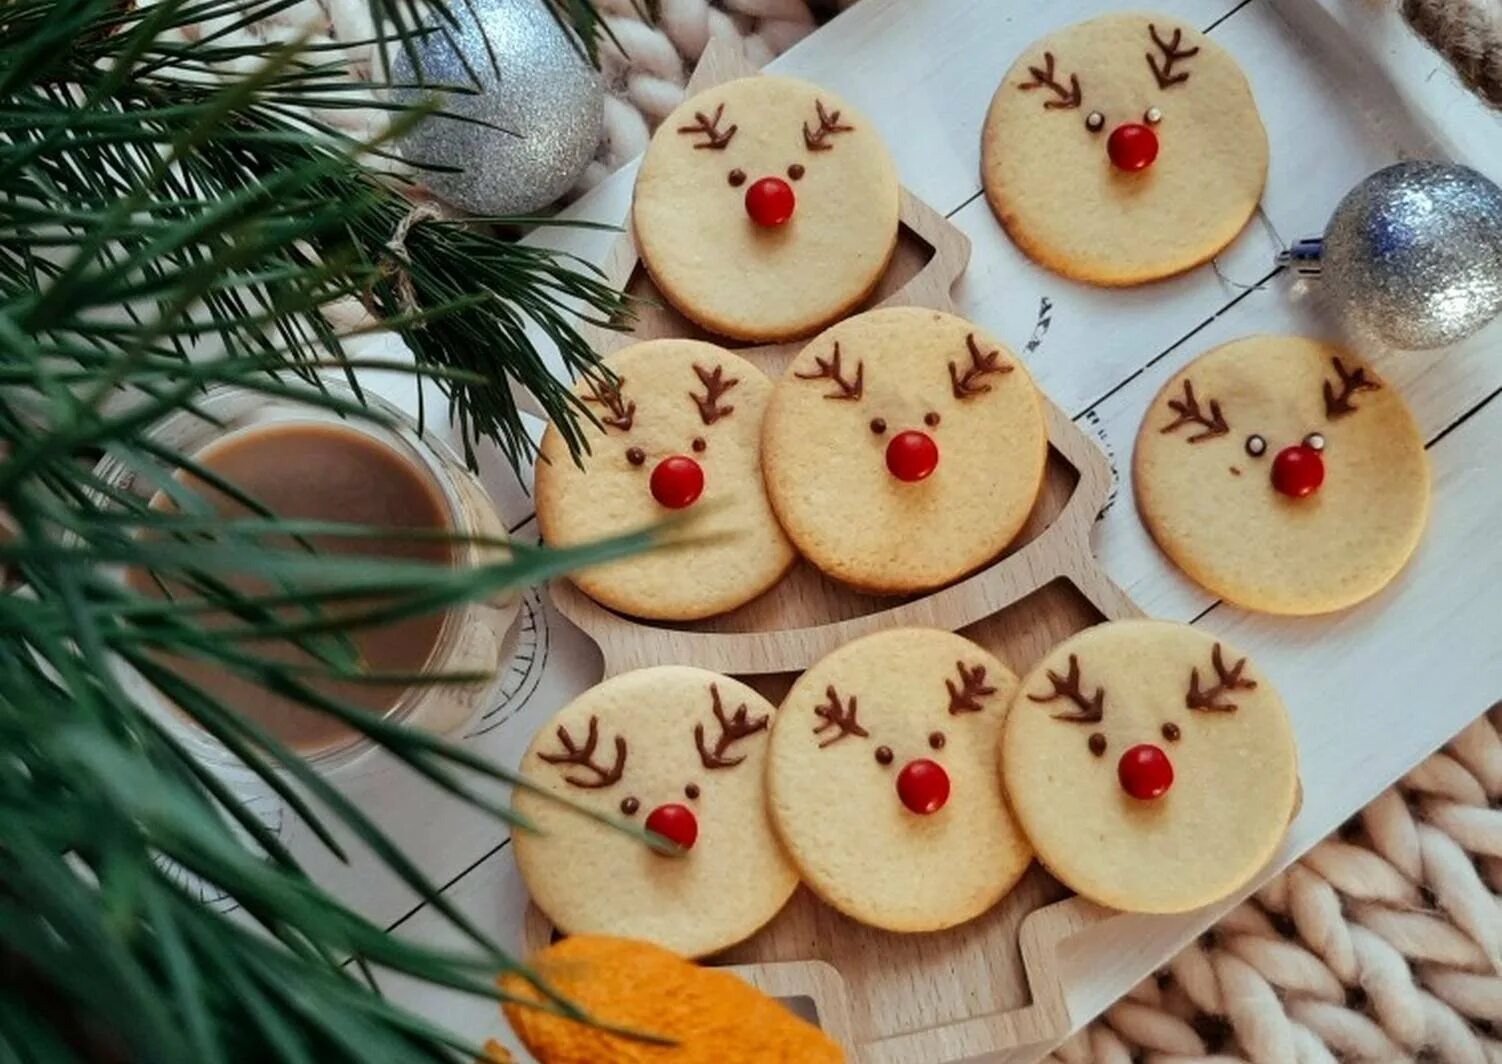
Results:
1468 33
398 266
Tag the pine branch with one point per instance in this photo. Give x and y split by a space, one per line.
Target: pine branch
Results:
162 233
320 232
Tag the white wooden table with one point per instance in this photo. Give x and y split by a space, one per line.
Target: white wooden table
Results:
1343 90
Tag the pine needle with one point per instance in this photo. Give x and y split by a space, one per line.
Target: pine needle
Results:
165 230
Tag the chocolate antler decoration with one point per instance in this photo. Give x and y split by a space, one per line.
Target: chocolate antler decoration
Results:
965 696
718 139
1188 409
829 369
737 727
834 715
1228 680
1350 383
1172 53
818 140
969 383
583 756
716 384
1090 709
622 412
1045 79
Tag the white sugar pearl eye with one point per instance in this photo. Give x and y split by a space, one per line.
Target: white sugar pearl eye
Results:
1095 121
1314 441
1153 116
1256 446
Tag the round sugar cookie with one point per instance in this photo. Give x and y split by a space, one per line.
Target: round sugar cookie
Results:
1124 149
682 752
1152 767
683 414
766 208
903 448
1282 474
882 780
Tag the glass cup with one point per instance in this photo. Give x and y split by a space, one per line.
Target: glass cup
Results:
472 637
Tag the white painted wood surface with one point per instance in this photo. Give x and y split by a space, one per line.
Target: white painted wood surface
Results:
1343 90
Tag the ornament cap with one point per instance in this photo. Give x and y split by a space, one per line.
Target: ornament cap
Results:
1305 258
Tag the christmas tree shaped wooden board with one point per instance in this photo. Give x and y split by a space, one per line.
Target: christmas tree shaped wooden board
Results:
989 985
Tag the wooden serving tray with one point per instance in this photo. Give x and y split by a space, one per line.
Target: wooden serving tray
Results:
992 984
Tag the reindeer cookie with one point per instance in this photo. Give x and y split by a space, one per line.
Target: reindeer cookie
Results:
681 752
1151 765
882 781
765 208
903 448
680 432
1123 149
1282 474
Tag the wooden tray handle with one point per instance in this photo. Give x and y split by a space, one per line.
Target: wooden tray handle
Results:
819 982
1040 938
816 980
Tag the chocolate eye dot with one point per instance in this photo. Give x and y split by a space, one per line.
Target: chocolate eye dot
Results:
691 791
795 171
629 806
931 419
936 740
878 425
1256 446
1315 441
1152 116
699 444
1095 121
635 455
1097 744
1171 732
883 755
737 178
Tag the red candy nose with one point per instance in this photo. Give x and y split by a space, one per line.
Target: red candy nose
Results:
1132 146
770 201
923 786
677 481
676 823
912 455
1145 772
1298 471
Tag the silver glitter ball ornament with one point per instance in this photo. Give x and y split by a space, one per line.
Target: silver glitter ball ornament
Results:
533 84
1413 254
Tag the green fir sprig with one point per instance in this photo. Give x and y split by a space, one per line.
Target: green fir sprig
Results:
163 231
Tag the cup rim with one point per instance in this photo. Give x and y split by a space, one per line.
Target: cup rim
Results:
439 465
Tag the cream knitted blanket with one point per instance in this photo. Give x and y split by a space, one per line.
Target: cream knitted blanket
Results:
1384 944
